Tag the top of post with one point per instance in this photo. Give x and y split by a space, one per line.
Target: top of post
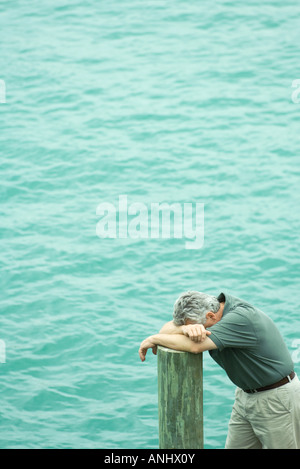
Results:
166 349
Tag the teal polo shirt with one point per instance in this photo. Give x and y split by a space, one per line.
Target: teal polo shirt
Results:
250 348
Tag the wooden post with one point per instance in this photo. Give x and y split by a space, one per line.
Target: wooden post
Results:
180 399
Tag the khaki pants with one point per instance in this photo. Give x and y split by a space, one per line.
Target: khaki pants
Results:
267 419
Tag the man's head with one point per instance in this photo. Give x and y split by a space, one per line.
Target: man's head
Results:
196 307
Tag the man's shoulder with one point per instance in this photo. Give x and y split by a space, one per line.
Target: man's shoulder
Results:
235 304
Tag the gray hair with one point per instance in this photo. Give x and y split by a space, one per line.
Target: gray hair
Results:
194 305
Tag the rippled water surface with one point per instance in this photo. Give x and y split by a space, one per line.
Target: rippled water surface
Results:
170 102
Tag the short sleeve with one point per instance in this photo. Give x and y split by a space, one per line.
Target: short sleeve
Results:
234 330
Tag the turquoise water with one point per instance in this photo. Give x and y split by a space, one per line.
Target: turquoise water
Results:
164 102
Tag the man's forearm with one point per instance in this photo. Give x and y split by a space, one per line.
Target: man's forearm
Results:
174 341
194 331
183 343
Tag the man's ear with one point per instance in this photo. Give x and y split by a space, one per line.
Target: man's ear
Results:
210 315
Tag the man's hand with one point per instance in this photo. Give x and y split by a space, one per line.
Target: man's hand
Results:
145 345
195 332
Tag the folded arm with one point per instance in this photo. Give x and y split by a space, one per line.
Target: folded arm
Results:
175 341
195 332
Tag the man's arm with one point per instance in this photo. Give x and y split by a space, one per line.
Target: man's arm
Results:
175 342
171 328
196 332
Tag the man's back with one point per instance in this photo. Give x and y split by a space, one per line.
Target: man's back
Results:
250 347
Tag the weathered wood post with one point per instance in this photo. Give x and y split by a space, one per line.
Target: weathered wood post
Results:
180 399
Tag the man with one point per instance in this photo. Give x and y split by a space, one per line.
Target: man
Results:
248 346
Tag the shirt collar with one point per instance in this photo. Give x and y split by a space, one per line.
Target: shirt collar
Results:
228 302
